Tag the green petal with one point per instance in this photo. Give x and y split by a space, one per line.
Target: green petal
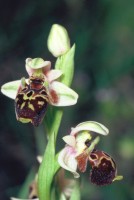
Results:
10 89
90 126
37 63
66 96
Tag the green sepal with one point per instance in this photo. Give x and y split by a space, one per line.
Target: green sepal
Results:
36 63
10 89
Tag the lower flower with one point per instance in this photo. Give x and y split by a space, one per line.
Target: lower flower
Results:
80 150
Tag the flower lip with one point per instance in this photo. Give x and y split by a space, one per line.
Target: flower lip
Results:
104 170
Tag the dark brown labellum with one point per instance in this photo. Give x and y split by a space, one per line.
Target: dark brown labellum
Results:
103 168
31 102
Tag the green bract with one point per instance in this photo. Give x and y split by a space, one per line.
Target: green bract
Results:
65 63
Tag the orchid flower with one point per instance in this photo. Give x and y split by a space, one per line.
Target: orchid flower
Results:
33 95
80 148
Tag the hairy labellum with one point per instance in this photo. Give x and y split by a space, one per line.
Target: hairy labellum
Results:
103 168
31 102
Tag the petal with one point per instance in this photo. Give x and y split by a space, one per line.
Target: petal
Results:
90 126
70 140
10 89
53 74
66 96
67 160
33 64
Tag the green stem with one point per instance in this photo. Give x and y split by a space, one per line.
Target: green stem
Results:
49 165
47 170
54 124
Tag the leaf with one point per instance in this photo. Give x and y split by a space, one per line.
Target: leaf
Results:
47 170
66 64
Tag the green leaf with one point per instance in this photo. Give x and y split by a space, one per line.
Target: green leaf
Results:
47 170
66 64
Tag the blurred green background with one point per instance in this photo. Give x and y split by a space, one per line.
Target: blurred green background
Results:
103 31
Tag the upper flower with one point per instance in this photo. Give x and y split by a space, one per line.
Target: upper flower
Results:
32 95
79 150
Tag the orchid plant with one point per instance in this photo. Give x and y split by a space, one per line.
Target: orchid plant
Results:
35 97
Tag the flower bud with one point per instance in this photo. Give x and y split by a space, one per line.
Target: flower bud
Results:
58 40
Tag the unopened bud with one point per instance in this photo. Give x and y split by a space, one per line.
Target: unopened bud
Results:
58 40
